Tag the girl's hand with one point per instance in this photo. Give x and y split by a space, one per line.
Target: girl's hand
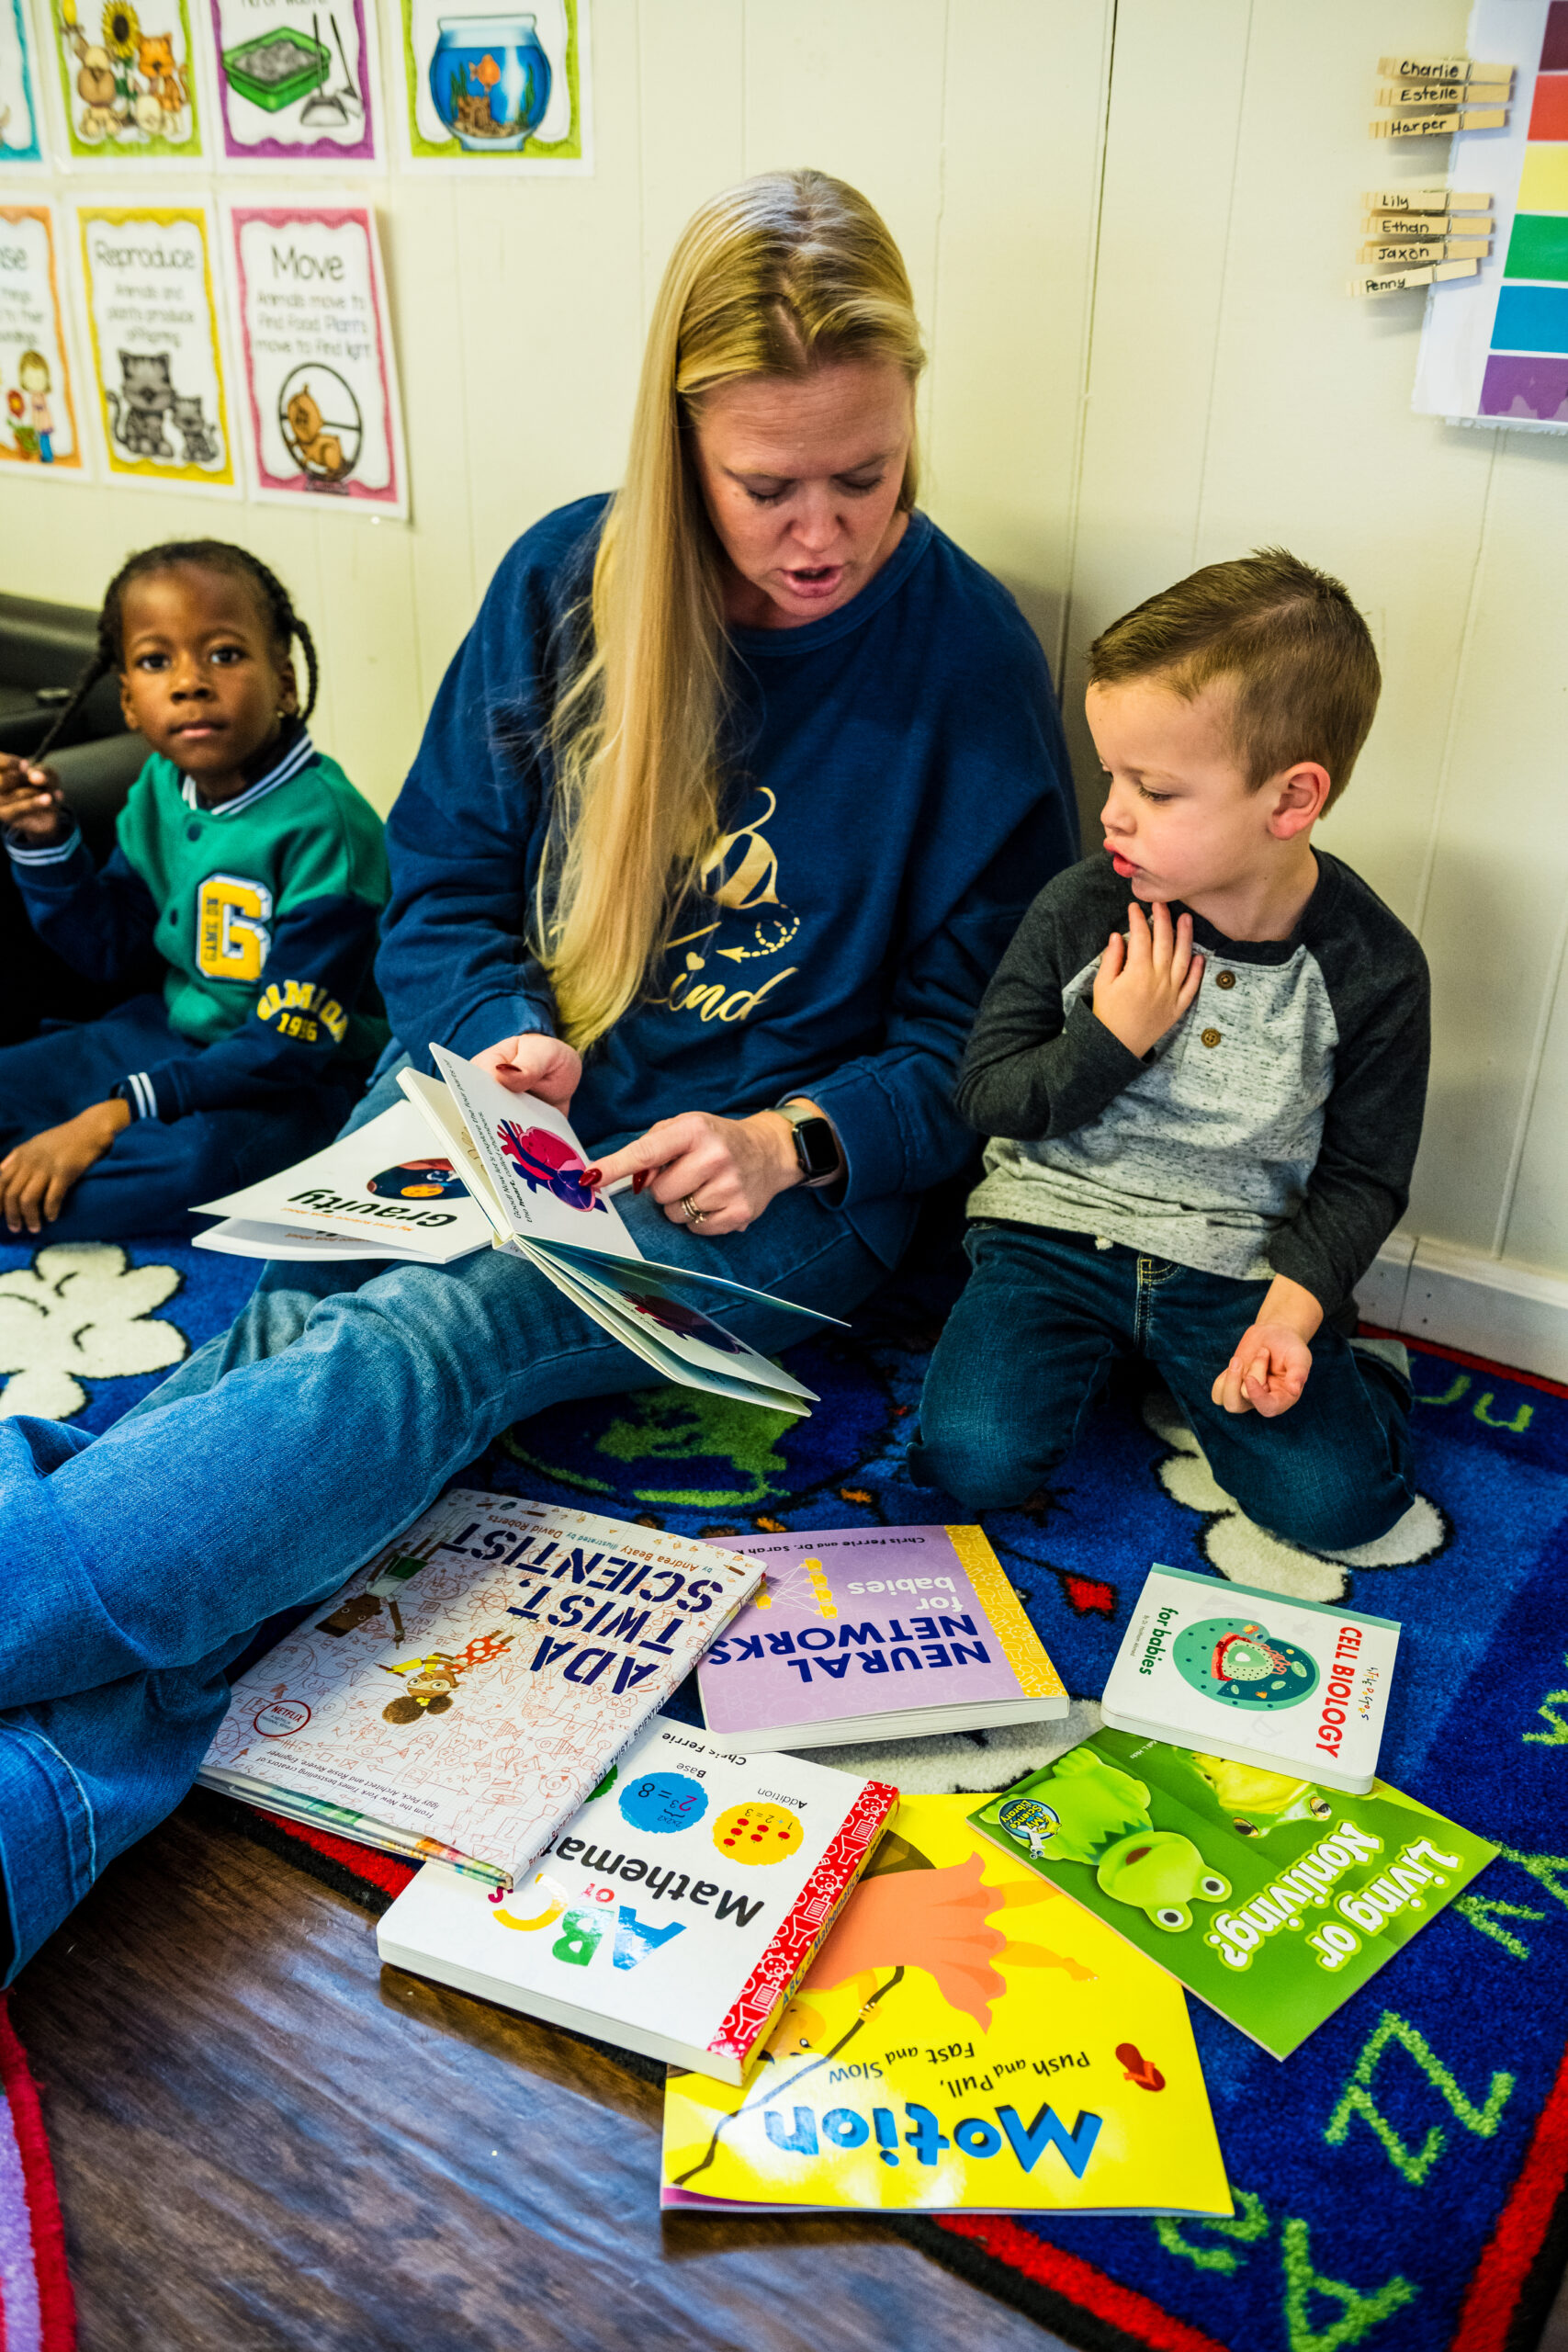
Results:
729 1169
36 1177
1146 981
32 804
534 1064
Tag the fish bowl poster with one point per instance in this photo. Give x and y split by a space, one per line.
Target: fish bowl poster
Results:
38 407
126 81
324 423
500 90
297 82
157 356
21 138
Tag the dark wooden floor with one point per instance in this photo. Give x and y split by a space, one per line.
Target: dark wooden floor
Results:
264 2141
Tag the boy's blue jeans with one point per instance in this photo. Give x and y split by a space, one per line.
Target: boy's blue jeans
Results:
139 1563
1031 1341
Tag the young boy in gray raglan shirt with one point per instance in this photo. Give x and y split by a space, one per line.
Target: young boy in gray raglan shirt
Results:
1202 1117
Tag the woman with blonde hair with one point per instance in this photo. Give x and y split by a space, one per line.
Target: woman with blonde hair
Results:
725 811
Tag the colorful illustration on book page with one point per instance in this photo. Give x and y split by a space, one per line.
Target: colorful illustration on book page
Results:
126 80
153 335
297 81
38 410
498 90
1495 348
21 135
323 420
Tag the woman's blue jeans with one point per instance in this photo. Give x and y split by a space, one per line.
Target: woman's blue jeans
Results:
1031 1341
260 1475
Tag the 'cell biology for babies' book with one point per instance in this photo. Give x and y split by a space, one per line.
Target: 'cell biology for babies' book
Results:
1269 1897
859 1632
674 1915
966 2041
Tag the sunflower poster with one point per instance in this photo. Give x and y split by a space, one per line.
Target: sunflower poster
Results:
38 408
21 136
958 2046
157 354
497 91
126 80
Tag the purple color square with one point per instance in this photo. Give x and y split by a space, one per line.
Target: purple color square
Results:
1554 47
1527 383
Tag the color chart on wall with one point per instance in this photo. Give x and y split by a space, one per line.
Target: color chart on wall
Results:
1497 351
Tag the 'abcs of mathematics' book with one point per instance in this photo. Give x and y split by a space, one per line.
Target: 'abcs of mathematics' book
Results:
468 1689
674 1915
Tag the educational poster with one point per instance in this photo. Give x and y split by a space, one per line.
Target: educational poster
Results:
319 387
1495 348
156 352
38 410
297 81
126 81
497 91
21 135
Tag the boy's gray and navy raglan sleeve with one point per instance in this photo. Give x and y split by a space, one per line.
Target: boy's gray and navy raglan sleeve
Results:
1378 988
1027 1075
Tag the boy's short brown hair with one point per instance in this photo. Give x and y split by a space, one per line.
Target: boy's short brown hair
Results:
1306 674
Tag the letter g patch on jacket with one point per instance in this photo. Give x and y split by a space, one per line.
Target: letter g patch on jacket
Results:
232 936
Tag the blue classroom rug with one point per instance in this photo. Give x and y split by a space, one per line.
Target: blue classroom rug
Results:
1401 2180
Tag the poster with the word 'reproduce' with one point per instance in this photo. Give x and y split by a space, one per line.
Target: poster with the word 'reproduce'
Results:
498 90
37 411
156 350
126 81
297 82
322 418
21 136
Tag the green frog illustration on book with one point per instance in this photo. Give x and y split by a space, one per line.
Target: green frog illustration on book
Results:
1089 1811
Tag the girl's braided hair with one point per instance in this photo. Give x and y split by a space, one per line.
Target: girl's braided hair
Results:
211 555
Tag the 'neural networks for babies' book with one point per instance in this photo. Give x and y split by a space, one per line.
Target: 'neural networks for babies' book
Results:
1291 1686
865 1632
672 1915
966 2041
1269 1896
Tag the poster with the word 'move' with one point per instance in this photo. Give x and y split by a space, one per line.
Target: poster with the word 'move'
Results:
157 356
126 81
21 137
324 423
37 408
297 82
498 90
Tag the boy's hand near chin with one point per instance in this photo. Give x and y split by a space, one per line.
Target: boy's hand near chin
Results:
1146 981
1268 1367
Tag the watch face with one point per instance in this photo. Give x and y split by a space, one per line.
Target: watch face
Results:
816 1148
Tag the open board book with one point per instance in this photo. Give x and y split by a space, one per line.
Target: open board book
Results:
505 1169
469 1688
674 1915
1270 1898
966 2041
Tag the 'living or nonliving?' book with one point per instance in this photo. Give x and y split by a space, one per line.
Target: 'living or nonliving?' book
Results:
866 1631
1269 1897
1288 1685
672 1915
966 2041
465 1692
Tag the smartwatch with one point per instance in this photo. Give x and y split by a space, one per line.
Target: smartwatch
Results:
816 1145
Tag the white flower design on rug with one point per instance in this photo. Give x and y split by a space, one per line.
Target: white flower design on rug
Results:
1248 1553
80 1312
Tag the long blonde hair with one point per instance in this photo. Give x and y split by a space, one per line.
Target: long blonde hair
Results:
785 273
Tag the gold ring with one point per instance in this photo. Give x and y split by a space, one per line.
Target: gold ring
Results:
694 1216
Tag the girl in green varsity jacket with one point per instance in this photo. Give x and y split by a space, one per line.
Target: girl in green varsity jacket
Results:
246 862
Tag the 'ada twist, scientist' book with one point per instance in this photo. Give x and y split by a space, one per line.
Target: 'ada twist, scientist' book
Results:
674 1915
465 1691
1291 1686
1270 1899
866 1631
966 2041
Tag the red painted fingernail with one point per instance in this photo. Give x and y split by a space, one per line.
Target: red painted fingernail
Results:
639 1179
593 1175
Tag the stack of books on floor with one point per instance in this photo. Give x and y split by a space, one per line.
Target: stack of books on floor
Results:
867 2001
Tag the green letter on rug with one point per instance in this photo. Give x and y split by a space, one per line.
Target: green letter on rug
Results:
1361 2313
1356 2100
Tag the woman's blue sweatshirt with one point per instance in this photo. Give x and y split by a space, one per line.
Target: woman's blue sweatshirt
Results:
899 791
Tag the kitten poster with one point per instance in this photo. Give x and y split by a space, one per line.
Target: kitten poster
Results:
156 350
38 408
126 80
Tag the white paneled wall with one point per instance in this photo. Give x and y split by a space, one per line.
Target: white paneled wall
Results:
1128 225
